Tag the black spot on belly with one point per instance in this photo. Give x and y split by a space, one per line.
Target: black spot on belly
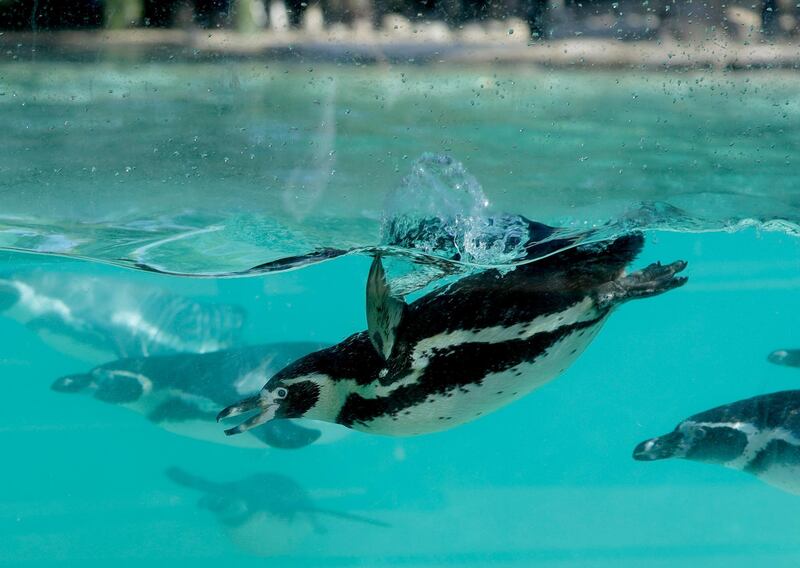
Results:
573 351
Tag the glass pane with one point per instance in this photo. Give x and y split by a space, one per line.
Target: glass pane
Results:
399 283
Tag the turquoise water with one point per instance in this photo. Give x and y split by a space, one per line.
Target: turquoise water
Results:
546 481
211 169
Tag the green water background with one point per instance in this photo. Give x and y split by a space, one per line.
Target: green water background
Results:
547 481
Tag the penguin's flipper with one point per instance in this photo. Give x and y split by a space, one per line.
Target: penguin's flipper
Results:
384 311
286 435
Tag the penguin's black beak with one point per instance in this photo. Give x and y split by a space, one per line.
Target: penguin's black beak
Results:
778 357
660 448
72 383
266 412
787 357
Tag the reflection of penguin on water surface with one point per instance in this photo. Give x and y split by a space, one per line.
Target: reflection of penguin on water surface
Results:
759 435
183 393
266 513
99 319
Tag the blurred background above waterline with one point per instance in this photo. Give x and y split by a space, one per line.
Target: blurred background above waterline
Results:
442 23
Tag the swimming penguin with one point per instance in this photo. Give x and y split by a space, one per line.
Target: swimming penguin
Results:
786 357
99 319
462 351
759 435
266 514
182 393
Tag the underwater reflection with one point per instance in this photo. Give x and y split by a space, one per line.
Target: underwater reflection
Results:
98 319
182 393
267 514
759 436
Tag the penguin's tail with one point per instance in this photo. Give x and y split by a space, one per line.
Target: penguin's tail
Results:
649 281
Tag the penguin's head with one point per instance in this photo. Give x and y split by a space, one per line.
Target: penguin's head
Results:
109 385
786 357
302 396
316 386
710 442
72 383
9 295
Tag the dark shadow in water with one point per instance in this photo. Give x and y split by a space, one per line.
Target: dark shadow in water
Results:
266 513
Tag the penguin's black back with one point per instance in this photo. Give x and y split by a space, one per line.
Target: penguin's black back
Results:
212 375
546 286
767 412
489 298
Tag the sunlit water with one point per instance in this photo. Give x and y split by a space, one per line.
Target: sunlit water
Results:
255 164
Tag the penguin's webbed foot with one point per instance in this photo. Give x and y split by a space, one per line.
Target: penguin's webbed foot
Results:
649 281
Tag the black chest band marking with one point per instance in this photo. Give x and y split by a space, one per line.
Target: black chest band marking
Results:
453 368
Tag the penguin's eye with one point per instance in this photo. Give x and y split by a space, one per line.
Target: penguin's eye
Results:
281 392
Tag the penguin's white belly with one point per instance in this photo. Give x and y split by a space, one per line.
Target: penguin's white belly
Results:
783 476
441 412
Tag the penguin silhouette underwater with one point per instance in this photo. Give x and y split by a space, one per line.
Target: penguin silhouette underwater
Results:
182 393
759 436
265 513
464 350
104 318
